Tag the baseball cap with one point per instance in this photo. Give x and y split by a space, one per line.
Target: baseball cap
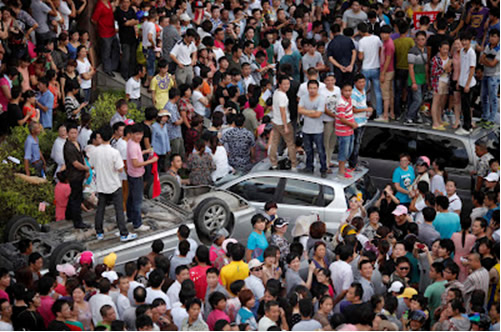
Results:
254 263
110 275
86 257
110 260
408 293
67 269
396 287
280 222
418 315
400 210
185 17
163 113
492 177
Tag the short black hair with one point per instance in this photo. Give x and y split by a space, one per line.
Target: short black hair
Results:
183 231
429 214
345 251
57 306
306 308
106 133
156 278
143 321
33 257
442 201
180 269
215 297
157 246
359 291
184 247
45 284
237 252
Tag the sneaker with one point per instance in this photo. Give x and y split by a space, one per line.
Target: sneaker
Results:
408 122
349 170
488 125
142 228
274 168
347 176
461 131
100 236
294 169
323 175
128 237
482 122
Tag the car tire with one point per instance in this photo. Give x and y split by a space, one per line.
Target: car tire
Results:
66 252
169 189
19 226
211 215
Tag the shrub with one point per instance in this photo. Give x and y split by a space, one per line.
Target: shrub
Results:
17 196
104 107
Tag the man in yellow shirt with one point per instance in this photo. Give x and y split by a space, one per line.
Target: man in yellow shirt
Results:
237 269
160 85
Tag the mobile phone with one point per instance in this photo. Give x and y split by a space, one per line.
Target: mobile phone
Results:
420 246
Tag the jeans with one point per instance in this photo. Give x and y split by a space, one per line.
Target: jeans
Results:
73 209
110 53
116 199
135 200
358 133
466 107
372 75
345 144
415 103
128 62
318 139
490 105
150 61
87 94
401 77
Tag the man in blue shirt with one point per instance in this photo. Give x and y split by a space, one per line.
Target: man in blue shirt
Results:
32 155
174 123
446 223
403 177
45 102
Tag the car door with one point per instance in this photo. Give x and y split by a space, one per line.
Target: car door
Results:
296 197
455 154
381 146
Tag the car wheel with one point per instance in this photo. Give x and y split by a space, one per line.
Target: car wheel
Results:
66 252
211 215
20 227
169 189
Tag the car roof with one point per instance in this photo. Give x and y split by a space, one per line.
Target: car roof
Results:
263 169
425 128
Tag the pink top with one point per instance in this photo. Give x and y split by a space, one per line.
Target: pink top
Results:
45 311
62 193
216 315
214 252
4 101
461 251
4 295
134 152
388 50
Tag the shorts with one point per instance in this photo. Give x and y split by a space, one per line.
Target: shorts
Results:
345 147
443 88
387 86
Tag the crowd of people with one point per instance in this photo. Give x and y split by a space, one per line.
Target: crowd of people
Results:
232 83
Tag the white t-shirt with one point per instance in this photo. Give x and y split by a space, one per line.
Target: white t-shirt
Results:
133 88
6 326
303 89
468 59
331 98
130 294
341 276
183 52
149 27
106 162
65 11
370 45
122 303
96 302
152 295
57 153
197 104
83 136
173 292
255 285
280 100
83 68
220 158
455 203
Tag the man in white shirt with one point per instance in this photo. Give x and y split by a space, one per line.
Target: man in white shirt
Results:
369 48
466 79
156 279
183 233
311 74
108 164
271 316
182 274
122 301
342 274
184 54
97 301
57 148
149 42
133 86
281 122
254 281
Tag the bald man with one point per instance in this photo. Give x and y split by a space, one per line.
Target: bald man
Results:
477 279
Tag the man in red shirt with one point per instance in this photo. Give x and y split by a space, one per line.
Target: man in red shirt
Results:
345 123
104 19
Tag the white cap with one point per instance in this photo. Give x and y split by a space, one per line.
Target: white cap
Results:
254 263
185 17
492 177
110 275
396 287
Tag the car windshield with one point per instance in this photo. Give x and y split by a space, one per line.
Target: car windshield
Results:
363 186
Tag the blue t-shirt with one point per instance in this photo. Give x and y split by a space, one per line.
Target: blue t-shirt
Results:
257 243
447 223
31 149
46 99
405 179
488 215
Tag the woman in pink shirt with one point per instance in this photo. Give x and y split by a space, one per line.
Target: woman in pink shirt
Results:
62 193
463 243
217 301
